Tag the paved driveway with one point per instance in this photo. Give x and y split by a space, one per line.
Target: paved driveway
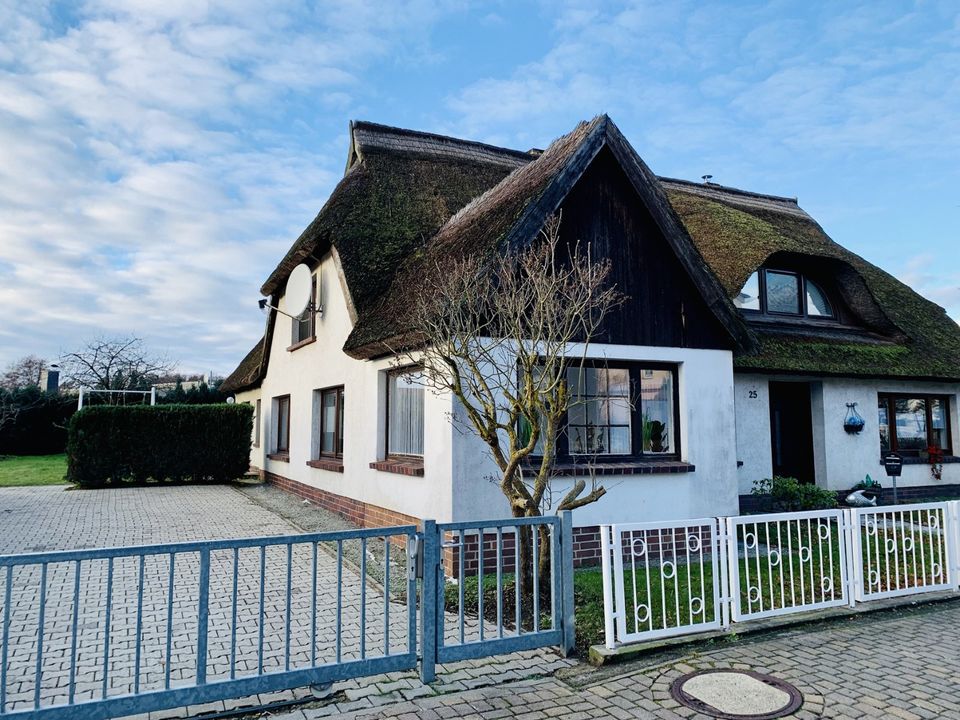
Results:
50 518
902 666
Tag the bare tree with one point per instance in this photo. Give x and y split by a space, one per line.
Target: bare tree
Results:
9 409
121 363
23 373
500 333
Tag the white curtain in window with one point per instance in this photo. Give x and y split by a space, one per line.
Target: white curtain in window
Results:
405 433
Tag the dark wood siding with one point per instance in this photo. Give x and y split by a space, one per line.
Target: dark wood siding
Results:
663 306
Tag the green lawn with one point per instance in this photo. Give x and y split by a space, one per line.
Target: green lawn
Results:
32 470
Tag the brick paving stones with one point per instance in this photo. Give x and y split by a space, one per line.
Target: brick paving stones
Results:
50 518
900 665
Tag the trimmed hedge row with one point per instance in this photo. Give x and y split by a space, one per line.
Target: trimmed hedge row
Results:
112 445
40 425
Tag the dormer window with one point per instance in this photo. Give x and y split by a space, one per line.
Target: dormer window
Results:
783 292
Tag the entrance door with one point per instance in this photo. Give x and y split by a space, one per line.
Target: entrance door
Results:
791 430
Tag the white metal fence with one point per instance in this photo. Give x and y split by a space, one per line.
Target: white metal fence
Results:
664 579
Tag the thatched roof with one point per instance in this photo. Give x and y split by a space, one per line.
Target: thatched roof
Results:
247 376
511 213
400 187
408 198
737 232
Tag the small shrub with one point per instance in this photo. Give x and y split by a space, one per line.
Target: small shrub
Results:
111 445
785 494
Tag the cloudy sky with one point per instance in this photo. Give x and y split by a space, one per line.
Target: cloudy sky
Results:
158 157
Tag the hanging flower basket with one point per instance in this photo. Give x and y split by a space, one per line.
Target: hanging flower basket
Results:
853 423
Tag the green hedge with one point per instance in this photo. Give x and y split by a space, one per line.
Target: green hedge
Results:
111 445
40 424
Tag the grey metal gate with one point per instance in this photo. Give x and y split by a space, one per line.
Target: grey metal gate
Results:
118 631
485 553
109 632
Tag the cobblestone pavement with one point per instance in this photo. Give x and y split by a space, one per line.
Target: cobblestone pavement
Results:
901 665
50 518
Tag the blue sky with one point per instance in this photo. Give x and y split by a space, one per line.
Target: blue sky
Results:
158 158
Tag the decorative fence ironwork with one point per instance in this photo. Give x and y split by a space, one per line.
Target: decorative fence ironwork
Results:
666 576
120 631
904 549
786 563
675 578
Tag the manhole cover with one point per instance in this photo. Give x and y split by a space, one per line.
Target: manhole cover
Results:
736 694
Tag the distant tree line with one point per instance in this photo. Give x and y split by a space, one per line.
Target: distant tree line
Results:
34 422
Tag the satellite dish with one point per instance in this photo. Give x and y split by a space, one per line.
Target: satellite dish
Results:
299 289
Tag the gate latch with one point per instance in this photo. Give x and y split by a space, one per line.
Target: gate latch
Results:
415 558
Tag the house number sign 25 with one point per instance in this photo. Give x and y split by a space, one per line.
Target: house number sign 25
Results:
752 394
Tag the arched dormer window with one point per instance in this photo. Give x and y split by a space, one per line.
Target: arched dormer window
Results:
784 292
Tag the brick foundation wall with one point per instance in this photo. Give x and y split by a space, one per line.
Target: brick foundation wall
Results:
586 540
359 513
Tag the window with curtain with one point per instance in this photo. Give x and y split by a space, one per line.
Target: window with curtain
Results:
405 393
910 424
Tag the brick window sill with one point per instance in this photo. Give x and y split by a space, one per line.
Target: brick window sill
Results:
302 343
279 457
640 467
331 464
412 467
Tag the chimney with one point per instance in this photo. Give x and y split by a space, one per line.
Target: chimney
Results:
50 379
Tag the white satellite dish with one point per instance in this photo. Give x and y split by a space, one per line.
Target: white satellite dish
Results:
299 289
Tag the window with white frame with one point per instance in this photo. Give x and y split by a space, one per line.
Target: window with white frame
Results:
405 394
330 425
304 327
281 425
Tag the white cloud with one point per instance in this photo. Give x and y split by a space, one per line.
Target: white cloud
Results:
151 171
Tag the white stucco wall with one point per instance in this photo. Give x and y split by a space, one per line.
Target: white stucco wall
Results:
707 440
323 364
256 453
458 482
840 459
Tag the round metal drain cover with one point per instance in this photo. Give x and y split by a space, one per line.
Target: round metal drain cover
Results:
736 694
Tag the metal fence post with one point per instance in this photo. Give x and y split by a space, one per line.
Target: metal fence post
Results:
609 608
568 612
428 601
850 541
731 608
203 616
721 548
952 519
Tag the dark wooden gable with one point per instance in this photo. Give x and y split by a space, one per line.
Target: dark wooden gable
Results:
663 306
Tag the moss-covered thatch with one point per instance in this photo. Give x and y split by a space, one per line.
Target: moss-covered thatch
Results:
479 226
410 200
510 213
737 232
400 188
247 375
